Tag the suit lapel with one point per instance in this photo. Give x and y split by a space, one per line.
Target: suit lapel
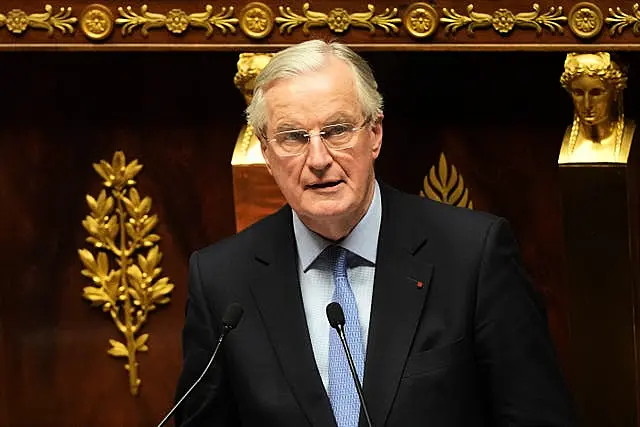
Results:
276 290
400 288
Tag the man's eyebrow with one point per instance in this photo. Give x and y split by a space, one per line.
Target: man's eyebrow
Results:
288 126
339 118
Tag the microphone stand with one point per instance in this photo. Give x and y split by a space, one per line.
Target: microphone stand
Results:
352 367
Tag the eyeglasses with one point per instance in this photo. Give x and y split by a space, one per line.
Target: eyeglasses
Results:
336 137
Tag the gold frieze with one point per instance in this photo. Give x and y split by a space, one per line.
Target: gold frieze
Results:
503 20
421 20
338 20
96 22
125 270
176 21
620 20
256 20
446 185
599 132
585 20
18 21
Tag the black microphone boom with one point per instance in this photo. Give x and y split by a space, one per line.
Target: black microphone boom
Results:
336 320
230 320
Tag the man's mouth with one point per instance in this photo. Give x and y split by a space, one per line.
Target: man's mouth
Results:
327 184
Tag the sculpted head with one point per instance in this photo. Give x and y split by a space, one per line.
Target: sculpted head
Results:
317 112
595 83
249 66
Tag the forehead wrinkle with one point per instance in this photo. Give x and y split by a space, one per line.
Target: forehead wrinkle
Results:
312 100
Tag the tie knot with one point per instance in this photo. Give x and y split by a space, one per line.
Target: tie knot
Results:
337 256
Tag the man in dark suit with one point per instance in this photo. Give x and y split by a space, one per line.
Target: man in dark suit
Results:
442 321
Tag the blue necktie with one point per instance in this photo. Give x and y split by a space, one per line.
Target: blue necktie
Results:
342 390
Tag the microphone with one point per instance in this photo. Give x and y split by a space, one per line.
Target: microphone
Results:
230 320
336 320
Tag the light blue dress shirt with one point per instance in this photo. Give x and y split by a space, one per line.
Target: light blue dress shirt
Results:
317 285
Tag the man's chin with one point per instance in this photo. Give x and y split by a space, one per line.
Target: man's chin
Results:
324 210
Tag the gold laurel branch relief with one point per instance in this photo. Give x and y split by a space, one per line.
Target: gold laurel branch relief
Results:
125 269
620 20
338 20
176 21
447 186
17 21
503 20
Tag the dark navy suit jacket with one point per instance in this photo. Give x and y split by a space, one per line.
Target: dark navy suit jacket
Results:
457 335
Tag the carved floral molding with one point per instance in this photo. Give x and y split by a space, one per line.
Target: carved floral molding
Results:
257 20
18 21
176 20
338 20
503 20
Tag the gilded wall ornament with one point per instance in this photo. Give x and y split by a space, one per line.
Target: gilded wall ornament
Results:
247 149
96 22
421 20
338 20
446 186
504 21
600 133
176 21
18 21
125 273
585 20
620 20
256 20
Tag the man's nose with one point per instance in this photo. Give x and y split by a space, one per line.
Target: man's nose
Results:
318 157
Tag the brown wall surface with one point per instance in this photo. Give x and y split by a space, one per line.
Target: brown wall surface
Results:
499 118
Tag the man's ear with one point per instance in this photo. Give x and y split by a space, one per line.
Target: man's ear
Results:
265 155
376 129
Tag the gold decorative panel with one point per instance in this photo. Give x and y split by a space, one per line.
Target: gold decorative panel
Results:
585 20
125 265
620 20
256 20
446 185
338 20
96 22
503 20
421 20
18 21
176 21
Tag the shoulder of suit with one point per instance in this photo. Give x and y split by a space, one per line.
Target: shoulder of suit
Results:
244 242
436 213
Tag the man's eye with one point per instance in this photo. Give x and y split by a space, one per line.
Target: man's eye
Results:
335 131
295 136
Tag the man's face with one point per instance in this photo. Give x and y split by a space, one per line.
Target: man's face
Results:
592 99
322 184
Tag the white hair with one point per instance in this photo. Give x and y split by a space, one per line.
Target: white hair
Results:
308 57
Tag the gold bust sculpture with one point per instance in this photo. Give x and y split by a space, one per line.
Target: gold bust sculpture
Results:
247 150
599 133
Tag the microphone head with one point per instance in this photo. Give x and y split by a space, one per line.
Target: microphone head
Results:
232 316
335 315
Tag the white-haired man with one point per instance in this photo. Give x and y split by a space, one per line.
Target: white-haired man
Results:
442 321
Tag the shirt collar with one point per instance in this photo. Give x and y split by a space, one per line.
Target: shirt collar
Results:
362 241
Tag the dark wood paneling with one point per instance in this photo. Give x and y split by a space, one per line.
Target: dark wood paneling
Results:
499 117
178 114
602 304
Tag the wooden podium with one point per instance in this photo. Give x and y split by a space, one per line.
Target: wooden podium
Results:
600 214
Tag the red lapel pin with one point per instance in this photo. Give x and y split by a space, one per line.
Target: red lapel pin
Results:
419 284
